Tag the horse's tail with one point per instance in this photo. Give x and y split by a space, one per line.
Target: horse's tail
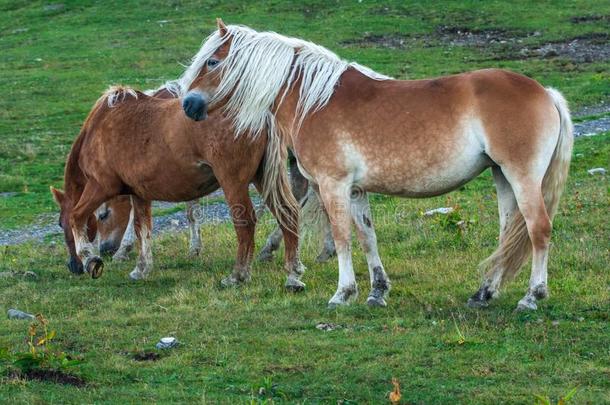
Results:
515 247
276 191
115 95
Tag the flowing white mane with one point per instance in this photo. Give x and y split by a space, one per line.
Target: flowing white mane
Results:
259 65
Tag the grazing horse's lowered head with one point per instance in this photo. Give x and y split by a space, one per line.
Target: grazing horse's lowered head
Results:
66 204
113 219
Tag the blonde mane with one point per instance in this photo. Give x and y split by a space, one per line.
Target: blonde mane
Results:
259 65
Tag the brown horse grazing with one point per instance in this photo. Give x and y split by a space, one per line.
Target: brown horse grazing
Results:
116 235
354 131
144 146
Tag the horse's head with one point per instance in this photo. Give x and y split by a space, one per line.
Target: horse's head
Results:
204 82
112 220
66 205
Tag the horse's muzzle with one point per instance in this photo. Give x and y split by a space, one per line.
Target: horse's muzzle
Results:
108 247
195 107
75 266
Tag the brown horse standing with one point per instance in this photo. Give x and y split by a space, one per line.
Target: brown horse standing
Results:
353 131
116 235
144 146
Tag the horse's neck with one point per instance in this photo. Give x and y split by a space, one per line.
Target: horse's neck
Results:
353 86
74 178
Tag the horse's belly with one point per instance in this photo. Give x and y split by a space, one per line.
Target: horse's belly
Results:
425 173
175 183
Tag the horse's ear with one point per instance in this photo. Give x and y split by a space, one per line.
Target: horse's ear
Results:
58 195
222 28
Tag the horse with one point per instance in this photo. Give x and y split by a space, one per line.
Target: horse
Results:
116 234
355 131
143 146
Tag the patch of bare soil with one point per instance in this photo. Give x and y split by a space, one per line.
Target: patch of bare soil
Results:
146 356
463 36
592 18
369 40
589 48
498 43
54 376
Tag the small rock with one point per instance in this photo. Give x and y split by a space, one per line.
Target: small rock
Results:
262 392
327 327
442 210
579 155
17 314
175 222
599 170
23 274
54 7
555 323
580 319
167 343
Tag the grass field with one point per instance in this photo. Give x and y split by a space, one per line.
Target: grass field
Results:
56 60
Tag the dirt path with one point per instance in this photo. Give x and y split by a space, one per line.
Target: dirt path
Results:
46 226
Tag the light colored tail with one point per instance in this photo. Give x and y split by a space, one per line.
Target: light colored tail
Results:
276 191
314 220
515 247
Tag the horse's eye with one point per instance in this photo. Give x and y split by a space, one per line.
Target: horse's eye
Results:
213 62
103 215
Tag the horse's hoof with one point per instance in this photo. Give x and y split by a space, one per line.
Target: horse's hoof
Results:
294 285
324 257
232 281
120 256
476 303
95 267
376 301
194 252
136 275
335 305
527 304
265 256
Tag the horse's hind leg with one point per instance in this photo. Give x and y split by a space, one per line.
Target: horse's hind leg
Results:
91 198
128 239
143 227
507 207
193 210
271 245
361 215
532 207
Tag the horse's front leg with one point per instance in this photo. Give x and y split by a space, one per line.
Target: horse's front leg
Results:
244 221
288 229
299 187
143 227
336 198
193 215
82 217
